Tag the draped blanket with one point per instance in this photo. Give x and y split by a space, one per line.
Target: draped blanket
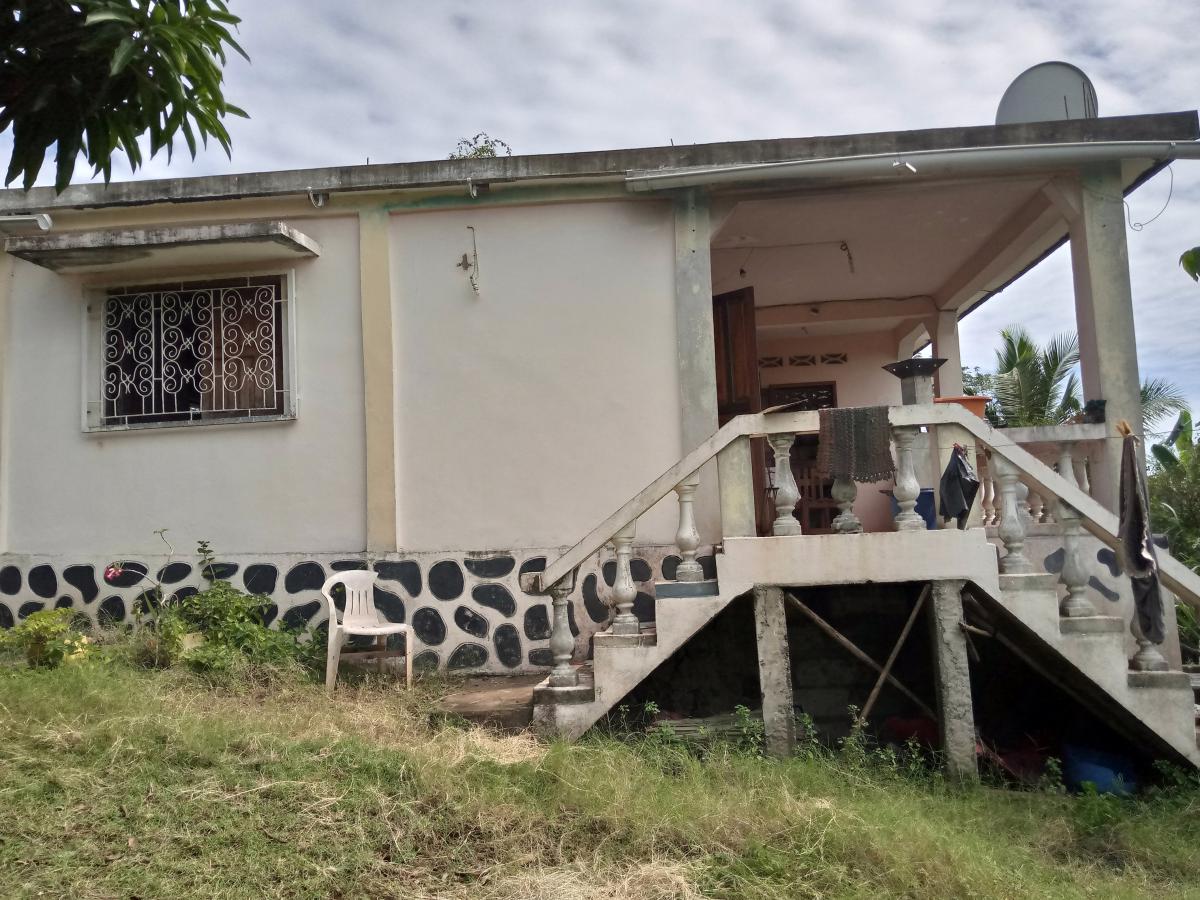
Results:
1138 558
855 444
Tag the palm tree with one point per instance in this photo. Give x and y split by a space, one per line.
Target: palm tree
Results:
1040 385
1035 385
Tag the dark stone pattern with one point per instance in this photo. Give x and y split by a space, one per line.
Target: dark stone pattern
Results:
299 616
43 581
446 580
670 565
1103 590
467 656
173 573
305 576
708 566
428 625
493 625
537 623
222 571
83 579
508 645
489 567
426 661
495 596
1106 557
1054 561
10 580
471 622
597 609
131 575
638 568
389 604
28 609
407 572
260 579
111 611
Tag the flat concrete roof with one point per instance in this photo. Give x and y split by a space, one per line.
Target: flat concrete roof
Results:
93 251
600 165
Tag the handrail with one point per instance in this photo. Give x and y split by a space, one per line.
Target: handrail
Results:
749 425
1100 522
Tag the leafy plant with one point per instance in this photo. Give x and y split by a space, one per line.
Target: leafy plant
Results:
92 76
481 146
48 638
1190 261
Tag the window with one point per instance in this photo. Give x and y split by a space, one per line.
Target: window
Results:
191 352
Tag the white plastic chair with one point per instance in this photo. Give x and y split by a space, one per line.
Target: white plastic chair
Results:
360 617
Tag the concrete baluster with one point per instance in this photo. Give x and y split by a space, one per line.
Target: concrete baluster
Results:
1012 520
687 538
562 644
907 488
1074 574
624 591
845 491
786 494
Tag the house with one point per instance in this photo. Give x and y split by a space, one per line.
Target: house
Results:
472 375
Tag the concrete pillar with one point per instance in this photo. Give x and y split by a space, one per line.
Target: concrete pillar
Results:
375 288
944 329
734 470
695 346
952 677
774 670
7 274
1104 316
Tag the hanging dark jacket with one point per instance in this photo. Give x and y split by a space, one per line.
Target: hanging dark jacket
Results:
958 488
1138 557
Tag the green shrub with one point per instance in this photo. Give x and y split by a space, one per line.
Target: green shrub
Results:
48 638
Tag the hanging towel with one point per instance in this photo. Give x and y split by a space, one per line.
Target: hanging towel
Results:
958 488
1138 557
855 444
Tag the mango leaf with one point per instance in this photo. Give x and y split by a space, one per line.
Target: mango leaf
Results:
1190 261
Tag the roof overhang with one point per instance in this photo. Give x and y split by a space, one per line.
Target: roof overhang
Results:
160 248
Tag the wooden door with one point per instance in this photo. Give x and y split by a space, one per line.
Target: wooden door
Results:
738 388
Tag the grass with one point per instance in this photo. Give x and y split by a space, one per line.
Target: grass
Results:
116 782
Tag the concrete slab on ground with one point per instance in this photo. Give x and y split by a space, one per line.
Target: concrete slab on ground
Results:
500 701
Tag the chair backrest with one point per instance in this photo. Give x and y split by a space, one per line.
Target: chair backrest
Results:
360 597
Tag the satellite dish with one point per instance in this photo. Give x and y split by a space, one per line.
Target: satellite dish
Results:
1048 92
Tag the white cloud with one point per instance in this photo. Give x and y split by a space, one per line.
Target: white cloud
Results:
393 80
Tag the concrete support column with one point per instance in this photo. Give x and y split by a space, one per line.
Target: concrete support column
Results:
375 287
774 670
952 676
7 273
695 346
944 330
1104 316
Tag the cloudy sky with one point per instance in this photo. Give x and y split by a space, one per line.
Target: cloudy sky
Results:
397 80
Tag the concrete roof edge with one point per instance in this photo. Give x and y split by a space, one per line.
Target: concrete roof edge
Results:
610 164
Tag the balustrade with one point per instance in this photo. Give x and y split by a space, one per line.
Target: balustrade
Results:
907 488
562 644
786 492
1074 574
624 591
844 491
687 538
1012 520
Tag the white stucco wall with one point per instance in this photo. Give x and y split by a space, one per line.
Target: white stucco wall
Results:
528 414
295 486
861 381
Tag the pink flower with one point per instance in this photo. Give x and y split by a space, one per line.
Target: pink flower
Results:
113 572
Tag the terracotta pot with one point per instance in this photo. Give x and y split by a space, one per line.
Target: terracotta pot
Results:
975 405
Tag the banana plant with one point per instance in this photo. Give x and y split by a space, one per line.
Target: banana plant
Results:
1179 448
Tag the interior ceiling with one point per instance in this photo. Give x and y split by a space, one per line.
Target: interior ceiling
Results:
898 243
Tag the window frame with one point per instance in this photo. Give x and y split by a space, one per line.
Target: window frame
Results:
92 349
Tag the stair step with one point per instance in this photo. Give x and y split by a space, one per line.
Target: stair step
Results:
584 692
1092 625
686 588
608 640
1035 581
499 701
1175 680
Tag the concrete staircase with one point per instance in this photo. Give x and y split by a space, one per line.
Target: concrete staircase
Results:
1094 646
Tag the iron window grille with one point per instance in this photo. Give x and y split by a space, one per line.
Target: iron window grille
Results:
192 352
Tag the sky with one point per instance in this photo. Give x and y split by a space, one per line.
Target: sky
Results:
398 80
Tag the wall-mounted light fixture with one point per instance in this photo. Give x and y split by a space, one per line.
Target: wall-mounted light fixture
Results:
470 262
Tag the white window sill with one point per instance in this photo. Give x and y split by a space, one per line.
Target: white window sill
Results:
193 423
